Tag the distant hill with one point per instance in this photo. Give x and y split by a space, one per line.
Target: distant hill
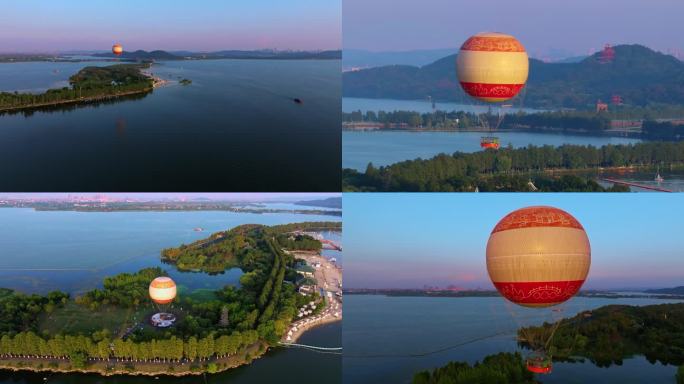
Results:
667 291
142 55
229 54
638 74
269 54
331 202
358 58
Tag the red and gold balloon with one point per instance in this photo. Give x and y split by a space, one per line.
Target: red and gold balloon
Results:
538 256
492 67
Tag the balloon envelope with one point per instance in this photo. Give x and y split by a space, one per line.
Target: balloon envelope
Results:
117 49
538 256
162 290
492 67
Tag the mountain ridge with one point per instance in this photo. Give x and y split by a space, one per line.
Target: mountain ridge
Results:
638 74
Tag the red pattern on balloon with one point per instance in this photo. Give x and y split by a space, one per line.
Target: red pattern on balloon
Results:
539 292
537 217
492 44
492 90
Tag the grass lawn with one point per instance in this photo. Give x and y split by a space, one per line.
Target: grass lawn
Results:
74 318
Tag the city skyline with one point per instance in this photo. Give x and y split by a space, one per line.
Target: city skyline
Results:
145 196
57 26
409 241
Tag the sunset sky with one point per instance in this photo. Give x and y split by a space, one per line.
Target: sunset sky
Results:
396 240
61 25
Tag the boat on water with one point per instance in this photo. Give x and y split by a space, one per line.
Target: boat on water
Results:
658 178
487 142
198 229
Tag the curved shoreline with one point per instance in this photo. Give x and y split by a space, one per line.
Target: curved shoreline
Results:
84 100
16 364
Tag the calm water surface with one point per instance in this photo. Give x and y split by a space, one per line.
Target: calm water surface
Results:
73 251
379 325
234 128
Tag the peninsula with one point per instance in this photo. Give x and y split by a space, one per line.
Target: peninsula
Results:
90 84
109 330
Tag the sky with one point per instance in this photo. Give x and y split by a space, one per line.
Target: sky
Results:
576 27
62 25
404 240
255 197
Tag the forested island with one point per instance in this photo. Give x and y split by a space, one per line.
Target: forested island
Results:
533 168
502 368
107 331
604 336
610 334
90 84
234 248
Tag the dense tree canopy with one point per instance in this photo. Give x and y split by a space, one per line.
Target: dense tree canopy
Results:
502 368
88 83
510 169
613 333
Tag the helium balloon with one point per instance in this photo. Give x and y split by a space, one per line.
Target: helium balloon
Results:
492 67
117 49
538 256
162 290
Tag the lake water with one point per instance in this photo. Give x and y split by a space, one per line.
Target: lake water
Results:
673 179
73 251
39 76
377 325
235 128
389 147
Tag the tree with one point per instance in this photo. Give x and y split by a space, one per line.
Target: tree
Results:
190 348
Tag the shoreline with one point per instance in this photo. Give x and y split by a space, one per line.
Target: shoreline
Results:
113 367
83 100
608 133
333 309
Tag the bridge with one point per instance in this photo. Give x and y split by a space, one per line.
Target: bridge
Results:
311 347
636 185
329 244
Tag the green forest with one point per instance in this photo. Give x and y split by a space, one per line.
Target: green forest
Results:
227 322
510 169
89 83
238 246
610 334
587 122
502 368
